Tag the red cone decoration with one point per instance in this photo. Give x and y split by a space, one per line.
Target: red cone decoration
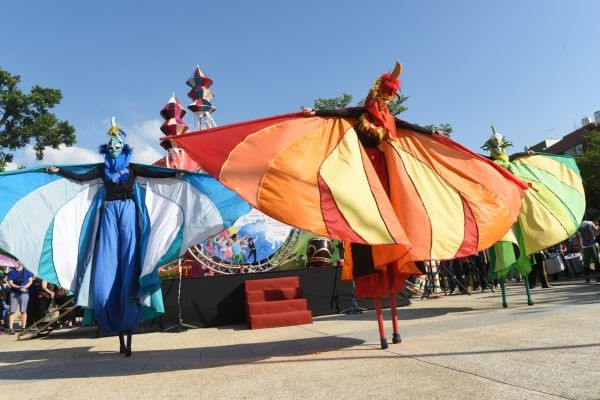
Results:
200 93
173 113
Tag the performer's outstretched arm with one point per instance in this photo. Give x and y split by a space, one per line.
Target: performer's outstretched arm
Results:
139 170
92 174
513 157
352 112
355 112
413 127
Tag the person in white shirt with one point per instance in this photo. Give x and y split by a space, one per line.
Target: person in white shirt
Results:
588 230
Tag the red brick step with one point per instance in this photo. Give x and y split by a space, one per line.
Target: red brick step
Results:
290 318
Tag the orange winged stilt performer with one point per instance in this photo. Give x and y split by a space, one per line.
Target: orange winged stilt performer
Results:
395 192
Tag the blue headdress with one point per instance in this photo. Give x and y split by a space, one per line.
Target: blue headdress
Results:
116 168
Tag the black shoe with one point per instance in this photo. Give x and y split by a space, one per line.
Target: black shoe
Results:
127 352
10 332
587 280
122 349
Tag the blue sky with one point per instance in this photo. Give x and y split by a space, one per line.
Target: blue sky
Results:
528 67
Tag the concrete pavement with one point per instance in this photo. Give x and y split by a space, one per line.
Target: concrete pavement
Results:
454 347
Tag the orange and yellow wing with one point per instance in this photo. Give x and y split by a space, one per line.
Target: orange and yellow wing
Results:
313 173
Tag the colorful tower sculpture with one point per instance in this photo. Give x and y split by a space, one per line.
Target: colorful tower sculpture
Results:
201 96
173 112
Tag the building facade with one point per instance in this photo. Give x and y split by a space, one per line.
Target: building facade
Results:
572 144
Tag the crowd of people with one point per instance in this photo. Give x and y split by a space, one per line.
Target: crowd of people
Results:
565 260
27 297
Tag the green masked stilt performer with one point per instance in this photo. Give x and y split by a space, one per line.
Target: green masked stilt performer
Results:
551 209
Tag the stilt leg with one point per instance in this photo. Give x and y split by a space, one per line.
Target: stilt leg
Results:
529 299
128 350
121 343
377 302
503 287
393 309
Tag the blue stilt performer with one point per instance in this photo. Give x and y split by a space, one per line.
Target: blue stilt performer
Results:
102 231
117 269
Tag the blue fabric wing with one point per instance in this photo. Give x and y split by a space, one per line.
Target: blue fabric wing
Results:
50 223
47 222
178 213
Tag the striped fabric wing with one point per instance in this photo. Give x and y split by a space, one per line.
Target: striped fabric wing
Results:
314 174
50 222
553 209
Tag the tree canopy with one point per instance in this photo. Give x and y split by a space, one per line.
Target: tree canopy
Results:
589 165
24 117
445 128
396 106
333 103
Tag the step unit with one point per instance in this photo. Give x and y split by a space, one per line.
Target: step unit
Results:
276 302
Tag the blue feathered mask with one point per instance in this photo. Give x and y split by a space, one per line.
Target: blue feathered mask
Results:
116 154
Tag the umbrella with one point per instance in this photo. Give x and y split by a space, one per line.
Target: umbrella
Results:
7 261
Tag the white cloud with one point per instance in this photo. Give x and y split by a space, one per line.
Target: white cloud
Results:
142 136
11 166
62 155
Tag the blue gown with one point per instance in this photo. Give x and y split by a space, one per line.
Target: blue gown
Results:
116 305
105 240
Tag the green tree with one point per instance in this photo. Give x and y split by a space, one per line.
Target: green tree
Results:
589 165
333 103
445 128
395 106
24 117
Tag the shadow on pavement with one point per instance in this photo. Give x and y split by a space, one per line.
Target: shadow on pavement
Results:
404 314
80 362
496 351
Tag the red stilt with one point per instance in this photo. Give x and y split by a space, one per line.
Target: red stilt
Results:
377 302
394 311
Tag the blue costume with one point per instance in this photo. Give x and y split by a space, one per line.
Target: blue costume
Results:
103 232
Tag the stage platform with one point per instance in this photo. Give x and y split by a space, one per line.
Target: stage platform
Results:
219 300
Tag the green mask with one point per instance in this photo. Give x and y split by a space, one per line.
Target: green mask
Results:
115 146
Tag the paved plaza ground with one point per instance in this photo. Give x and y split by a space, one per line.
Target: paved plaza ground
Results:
454 347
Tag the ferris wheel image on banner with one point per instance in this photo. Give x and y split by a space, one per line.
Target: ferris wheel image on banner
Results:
255 243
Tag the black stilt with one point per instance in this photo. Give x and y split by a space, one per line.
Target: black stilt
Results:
121 343
128 349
